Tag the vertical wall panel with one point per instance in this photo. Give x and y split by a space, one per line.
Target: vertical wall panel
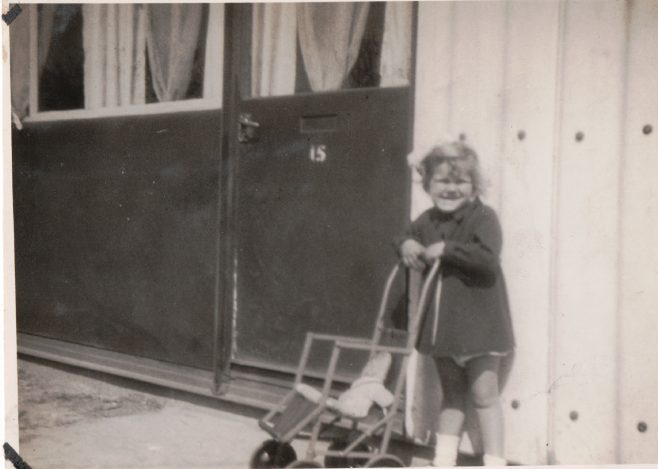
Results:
638 376
460 82
587 213
433 86
477 82
526 169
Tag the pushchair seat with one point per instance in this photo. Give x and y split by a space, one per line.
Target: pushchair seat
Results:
366 391
314 395
298 408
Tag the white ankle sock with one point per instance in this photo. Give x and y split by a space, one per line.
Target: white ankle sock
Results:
490 460
445 452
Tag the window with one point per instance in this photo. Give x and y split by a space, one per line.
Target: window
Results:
103 59
366 69
322 46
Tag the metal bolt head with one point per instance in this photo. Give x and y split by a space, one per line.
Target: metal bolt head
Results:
642 427
579 136
647 129
573 415
521 134
515 404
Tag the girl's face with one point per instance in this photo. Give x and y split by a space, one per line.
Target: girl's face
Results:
450 189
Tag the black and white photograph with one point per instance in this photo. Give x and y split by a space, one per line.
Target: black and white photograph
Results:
330 234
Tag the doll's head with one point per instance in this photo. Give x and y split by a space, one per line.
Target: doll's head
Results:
451 175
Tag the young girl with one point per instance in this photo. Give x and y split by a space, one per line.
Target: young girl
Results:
467 326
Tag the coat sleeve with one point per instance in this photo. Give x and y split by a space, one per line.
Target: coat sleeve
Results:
480 253
413 231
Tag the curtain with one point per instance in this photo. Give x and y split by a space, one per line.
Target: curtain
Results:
330 36
172 37
396 44
19 64
46 18
273 45
113 40
213 71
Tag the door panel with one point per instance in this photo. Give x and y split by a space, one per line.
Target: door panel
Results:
116 233
314 230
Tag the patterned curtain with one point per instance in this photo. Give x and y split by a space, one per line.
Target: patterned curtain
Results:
396 48
273 45
172 37
114 38
330 36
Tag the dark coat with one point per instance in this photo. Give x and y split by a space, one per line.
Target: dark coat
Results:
474 314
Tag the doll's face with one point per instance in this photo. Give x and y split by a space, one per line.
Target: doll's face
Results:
449 189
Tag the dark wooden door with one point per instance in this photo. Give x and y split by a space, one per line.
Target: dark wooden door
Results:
319 192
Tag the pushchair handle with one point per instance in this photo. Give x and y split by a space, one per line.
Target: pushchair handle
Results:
413 329
424 294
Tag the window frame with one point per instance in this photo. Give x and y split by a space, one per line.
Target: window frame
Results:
34 115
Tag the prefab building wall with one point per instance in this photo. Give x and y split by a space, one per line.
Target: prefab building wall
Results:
559 100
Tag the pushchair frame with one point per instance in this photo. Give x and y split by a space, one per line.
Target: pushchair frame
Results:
294 412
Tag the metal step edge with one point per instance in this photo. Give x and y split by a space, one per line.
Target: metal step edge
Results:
243 389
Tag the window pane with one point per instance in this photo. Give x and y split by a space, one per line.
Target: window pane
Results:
94 56
61 58
303 47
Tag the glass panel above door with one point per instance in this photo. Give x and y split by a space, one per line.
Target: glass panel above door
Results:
316 47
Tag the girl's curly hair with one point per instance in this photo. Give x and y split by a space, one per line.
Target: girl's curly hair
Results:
463 162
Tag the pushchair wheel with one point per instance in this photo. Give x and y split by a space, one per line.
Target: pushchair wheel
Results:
385 460
304 463
272 454
340 444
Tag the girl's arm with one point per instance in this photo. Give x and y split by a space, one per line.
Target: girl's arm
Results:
481 253
409 246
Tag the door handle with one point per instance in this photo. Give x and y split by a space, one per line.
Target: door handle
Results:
247 128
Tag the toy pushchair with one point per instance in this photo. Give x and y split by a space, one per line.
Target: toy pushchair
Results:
306 409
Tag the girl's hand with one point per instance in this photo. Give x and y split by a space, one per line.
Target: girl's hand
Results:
434 251
411 252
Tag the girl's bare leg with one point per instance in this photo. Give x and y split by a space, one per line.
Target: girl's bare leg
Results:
454 384
484 390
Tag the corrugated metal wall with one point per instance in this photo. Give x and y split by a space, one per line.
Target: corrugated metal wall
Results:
560 100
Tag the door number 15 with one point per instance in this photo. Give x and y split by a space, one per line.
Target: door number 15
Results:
318 153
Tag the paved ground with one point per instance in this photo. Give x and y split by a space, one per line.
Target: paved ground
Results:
72 418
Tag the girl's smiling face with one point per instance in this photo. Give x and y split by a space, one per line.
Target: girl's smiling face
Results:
449 188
